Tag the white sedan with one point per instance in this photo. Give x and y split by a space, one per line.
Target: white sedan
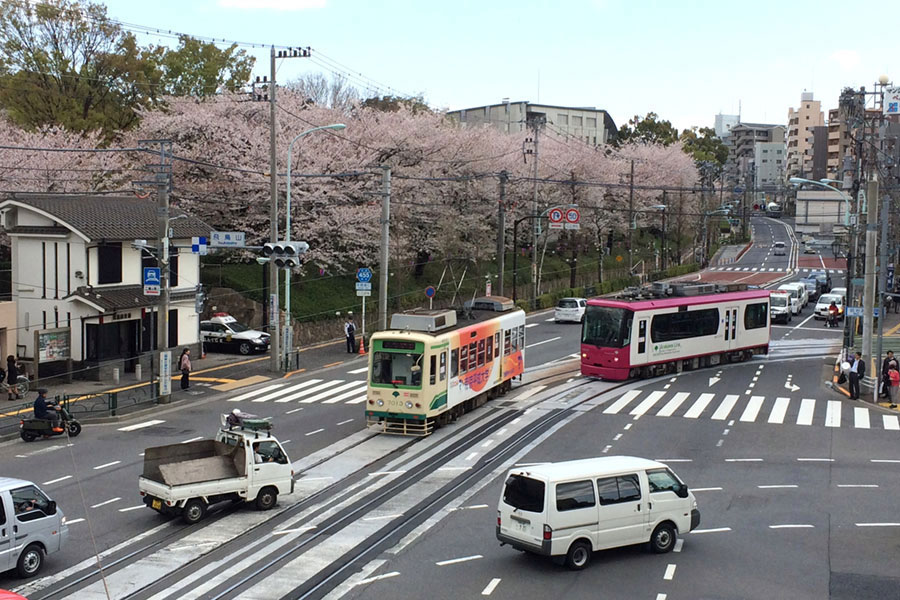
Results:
570 309
825 300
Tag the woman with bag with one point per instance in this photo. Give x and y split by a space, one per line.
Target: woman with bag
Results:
184 363
12 378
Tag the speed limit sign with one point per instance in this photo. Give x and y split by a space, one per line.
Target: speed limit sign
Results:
572 218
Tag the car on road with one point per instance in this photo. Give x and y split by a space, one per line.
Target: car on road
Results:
778 249
822 306
570 309
824 279
808 249
813 287
841 291
223 332
798 291
31 526
780 307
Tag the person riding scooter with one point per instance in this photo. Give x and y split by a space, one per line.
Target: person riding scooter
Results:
832 314
42 411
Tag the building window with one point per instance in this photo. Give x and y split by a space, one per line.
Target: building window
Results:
576 121
109 263
590 121
563 119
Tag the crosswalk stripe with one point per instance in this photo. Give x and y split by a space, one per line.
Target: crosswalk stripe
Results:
860 417
805 416
672 405
833 413
300 393
648 402
359 400
745 269
619 404
699 406
727 404
358 371
287 390
891 422
356 391
326 389
779 410
255 392
752 409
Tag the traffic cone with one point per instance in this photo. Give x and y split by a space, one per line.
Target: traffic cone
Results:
362 346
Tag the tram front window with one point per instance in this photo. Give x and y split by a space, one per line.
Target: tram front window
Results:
397 368
607 327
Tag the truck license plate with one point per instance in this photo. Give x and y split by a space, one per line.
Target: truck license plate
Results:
156 504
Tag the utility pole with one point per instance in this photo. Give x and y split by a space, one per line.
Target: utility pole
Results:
536 122
501 228
882 282
869 289
665 264
631 222
274 312
385 245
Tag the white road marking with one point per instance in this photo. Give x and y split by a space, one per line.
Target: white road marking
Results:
716 530
777 487
360 389
891 422
678 545
860 417
550 320
374 473
618 437
52 481
331 389
473 507
619 404
376 578
472 456
709 489
294 530
314 432
142 425
884 460
647 403
878 524
130 508
543 342
268 388
529 393
456 468
857 485
490 587
792 526
453 561
743 460
627 427
193 439
358 371
779 410
109 464
501 431
752 409
815 460
345 422
487 443
670 572
530 325
359 400
699 406
104 503
382 517
805 416
298 392
290 412
674 460
661 597
673 404
833 414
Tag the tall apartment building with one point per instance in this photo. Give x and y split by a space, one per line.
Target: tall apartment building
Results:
838 144
724 123
800 135
741 151
768 165
588 124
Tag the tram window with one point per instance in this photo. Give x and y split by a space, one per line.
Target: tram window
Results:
507 343
473 356
756 315
521 337
497 345
682 325
463 359
489 351
480 353
454 363
443 366
432 370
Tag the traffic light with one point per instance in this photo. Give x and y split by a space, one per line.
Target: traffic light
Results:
285 255
199 300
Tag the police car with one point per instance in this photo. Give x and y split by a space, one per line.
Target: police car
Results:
223 332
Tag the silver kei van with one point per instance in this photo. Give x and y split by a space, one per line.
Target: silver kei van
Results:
571 509
31 526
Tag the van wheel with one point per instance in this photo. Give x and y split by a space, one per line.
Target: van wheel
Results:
579 555
194 511
266 498
30 561
663 538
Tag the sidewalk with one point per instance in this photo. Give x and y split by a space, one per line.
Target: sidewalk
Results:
727 255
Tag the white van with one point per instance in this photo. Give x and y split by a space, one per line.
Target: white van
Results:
798 292
796 298
778 249
570 509
31 526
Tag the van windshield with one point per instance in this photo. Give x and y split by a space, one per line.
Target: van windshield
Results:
790 290
779 300
524 493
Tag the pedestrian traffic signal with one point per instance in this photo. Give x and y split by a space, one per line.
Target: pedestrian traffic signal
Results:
285 255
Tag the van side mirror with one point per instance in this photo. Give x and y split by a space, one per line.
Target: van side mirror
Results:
51 507
682 491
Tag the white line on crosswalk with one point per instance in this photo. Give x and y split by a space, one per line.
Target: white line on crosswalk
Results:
725 407
651 399
891 422
779 410
358 371
531 325
673 404
255 392
619 404
805 416
860 417
752 409
329 391
359 389
316 388
359 400
833 413
699 406
284 391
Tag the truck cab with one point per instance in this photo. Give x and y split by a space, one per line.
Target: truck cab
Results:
223 333
31 526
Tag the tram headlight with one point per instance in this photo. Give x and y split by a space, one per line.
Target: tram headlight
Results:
408 404
381 403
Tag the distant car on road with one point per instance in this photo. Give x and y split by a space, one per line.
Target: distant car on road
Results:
781 307
570 309
823 278
813 287
778 249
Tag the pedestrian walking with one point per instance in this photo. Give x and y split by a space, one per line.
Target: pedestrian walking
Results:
350 334
895 385
12 378
857 372
886 365
184 363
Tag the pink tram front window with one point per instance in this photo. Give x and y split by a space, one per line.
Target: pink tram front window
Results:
605 340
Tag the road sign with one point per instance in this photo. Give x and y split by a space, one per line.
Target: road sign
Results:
572 218
364 274
854 311
165 376
198 245
273 310
227 239
430 291
363 292
363 286
556 217
152 281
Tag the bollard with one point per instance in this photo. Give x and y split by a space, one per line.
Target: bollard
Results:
137 371
116 376
113 403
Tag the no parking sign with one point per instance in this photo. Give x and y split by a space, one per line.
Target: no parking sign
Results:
556 218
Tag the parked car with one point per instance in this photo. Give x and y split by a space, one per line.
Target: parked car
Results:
824 280
223 332
570 309
825 300
780 307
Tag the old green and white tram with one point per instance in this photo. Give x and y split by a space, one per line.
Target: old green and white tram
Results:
429 368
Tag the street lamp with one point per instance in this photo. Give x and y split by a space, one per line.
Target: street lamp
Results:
287 231
825 183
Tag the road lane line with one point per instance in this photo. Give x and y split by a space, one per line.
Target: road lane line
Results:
792 526
376 578
699 406
294 530
884 460
709 489
314 432
878 524
752 409
670 572
778 486
715 530
673 404
358 371
815 460
530 325
743 460
345 422
543 342
833 414
382 517
779 410
647 403
193 439
130 508
142 425
860 417
109 464
490 587
453 561
52 481
857 485
105 502
471 456
619 404
678 544
805 416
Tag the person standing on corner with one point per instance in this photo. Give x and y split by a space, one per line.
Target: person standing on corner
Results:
12 377
886 365
184 363
350 333
857 372
895 385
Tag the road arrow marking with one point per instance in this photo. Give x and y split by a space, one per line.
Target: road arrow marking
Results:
792 387
713 381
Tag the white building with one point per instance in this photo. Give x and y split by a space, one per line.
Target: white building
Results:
768 163
820 211
724 123
78 282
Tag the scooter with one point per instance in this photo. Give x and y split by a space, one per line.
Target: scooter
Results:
32 429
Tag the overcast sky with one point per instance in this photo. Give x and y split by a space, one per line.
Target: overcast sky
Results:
685 60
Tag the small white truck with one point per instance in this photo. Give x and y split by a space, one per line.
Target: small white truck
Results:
244 463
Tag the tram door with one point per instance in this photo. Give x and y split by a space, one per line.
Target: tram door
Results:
731 318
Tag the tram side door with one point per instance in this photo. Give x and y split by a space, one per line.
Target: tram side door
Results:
731 318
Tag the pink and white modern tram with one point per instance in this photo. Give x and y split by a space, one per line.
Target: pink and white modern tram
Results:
671 328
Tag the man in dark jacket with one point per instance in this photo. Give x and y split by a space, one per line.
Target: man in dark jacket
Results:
857 372
42 411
